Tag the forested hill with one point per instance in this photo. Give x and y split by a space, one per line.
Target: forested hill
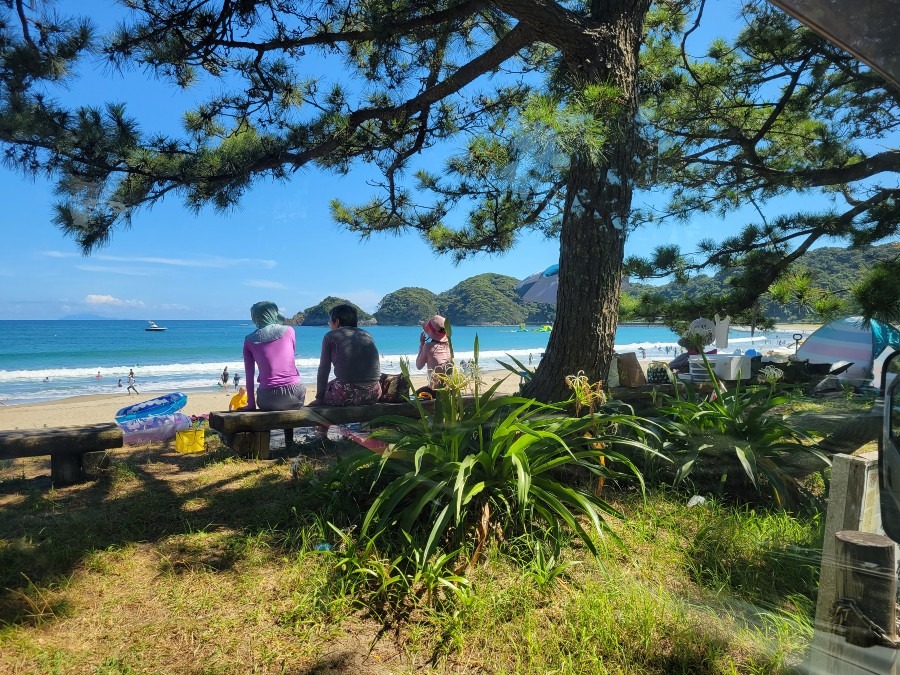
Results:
489 299
486 299
832 269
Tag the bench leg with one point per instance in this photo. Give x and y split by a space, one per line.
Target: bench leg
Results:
252 444
65 469
288 438
92 463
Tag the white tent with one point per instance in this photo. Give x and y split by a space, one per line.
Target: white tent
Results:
848 340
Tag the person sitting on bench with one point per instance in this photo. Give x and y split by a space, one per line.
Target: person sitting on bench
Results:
272 347
355 358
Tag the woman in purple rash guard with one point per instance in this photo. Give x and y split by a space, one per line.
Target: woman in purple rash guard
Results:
271 348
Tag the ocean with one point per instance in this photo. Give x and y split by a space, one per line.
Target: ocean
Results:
48 360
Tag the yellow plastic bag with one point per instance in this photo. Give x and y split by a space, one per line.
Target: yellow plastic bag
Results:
192 440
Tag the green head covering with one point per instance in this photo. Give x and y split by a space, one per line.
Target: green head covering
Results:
269 322
265 313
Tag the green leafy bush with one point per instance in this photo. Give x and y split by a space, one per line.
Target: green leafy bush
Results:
711 431
491 465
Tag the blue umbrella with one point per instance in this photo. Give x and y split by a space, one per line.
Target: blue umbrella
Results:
541 286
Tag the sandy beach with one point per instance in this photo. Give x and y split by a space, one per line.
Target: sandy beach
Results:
102 407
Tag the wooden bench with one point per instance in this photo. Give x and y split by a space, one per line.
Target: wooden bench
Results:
248 433
65 445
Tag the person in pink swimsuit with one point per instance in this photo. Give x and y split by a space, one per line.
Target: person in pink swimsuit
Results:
271 348
434 352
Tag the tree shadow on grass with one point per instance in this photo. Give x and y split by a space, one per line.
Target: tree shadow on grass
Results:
197 515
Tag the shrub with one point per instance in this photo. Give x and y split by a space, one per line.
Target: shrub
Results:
489 466
714 430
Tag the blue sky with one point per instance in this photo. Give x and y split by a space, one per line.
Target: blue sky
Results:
280 244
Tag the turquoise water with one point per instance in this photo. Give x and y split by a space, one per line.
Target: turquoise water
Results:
191 354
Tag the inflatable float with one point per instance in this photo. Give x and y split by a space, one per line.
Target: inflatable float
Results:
154 428
161 405
155 420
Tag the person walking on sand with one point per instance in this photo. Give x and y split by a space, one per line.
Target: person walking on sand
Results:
225 378
131 386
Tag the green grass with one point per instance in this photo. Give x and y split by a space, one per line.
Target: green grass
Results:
205 564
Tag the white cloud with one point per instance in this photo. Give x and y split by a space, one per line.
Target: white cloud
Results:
262 283
210 261
289 216
109 300
128 271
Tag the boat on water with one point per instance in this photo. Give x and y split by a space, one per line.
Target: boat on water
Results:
153 327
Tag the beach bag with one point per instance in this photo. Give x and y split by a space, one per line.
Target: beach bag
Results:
193 439
394 388
658 373
630 372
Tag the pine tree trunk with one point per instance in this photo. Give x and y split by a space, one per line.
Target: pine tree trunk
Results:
598 203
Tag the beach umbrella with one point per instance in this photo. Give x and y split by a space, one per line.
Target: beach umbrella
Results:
540 286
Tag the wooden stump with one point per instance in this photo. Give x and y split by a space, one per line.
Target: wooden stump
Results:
866 585
65 469
252 444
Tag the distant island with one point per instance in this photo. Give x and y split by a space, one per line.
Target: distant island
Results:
483 300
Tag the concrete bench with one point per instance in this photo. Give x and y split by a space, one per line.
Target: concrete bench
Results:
248 433
65 445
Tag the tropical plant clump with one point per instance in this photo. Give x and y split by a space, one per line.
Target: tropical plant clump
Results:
487 468
706 433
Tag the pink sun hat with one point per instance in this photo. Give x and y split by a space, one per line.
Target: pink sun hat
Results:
434 328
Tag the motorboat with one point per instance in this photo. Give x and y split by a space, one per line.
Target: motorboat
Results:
153 327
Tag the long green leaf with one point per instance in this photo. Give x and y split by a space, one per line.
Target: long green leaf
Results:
748 461
412 512
437 531
462 475
523 478
554 507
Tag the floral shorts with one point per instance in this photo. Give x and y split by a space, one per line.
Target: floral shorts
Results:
348 393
